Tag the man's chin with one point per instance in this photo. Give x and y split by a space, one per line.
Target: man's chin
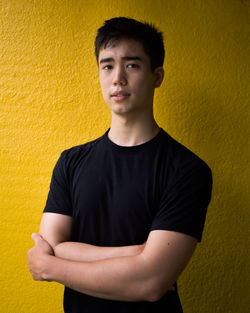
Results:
122 112
121 109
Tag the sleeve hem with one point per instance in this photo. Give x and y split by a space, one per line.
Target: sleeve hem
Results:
175 229
53 210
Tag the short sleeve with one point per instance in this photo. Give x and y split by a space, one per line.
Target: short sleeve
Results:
59 199
183 206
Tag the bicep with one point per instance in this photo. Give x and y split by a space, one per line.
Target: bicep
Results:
168 253
55 228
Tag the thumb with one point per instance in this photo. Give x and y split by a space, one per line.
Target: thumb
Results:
36 238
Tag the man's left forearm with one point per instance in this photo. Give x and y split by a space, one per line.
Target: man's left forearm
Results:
123 278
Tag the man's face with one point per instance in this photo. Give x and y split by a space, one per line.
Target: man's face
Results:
126 78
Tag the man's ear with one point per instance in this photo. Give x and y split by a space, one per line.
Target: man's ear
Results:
159 75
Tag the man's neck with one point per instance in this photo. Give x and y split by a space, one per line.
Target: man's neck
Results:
128 131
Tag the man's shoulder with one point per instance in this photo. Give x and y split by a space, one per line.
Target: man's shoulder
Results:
181 156
79 151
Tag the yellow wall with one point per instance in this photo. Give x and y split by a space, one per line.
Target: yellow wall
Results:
50 101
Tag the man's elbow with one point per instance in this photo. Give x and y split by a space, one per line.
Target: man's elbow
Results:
156 290
155 295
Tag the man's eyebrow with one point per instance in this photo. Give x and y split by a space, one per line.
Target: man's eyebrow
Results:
131 58
106 60
125 58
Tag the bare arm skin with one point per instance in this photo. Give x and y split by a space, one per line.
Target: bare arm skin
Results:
76 251
56 230
145 276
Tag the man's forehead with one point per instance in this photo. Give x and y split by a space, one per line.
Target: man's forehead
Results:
122 48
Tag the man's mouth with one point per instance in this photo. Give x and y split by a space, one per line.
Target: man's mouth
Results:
119 95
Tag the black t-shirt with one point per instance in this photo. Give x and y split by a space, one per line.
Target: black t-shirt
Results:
116 195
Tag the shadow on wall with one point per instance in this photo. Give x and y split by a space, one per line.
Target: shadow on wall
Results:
218 127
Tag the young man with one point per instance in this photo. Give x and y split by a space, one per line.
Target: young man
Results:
125 211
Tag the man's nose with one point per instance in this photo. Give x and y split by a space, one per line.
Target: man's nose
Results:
119 77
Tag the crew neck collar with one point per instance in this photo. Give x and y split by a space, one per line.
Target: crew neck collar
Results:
131 148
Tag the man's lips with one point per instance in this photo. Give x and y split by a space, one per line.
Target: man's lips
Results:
119 95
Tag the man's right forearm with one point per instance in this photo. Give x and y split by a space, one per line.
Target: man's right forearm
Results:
76 251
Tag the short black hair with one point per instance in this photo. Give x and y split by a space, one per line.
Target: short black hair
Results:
147 34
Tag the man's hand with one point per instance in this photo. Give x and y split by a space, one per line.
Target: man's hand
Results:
38 257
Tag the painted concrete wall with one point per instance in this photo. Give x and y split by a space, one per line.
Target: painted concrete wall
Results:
50 100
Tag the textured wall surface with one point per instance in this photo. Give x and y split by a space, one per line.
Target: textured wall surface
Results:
50 100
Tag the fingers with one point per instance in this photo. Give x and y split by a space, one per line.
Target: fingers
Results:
36 238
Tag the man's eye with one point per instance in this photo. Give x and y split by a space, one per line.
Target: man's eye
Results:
132 65
107 67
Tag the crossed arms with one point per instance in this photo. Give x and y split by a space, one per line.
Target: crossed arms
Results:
129 273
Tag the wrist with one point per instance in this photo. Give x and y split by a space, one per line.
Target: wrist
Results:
47 268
